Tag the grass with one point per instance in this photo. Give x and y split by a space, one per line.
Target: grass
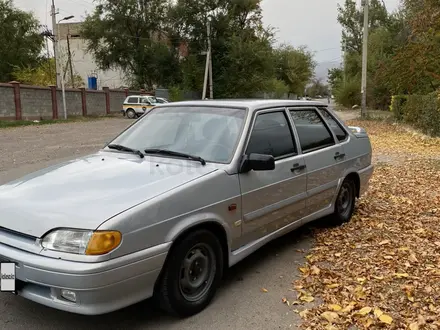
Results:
71 119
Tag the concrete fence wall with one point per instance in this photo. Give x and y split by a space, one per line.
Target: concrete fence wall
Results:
21 102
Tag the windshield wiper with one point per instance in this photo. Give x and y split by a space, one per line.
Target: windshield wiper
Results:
127 149
175 153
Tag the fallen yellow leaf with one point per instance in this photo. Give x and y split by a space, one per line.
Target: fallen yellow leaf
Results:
307 298
331 317
414 326
401 275
264 290
386 319
332 286
315 270
377 312
364 311
304 313
334 307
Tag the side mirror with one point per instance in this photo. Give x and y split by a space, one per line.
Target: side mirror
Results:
257 162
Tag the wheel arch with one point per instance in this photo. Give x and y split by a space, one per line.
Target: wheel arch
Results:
357 181
213 225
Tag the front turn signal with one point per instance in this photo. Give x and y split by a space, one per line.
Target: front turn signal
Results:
103 242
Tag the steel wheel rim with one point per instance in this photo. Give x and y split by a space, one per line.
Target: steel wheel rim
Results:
345 199
130 114
197 272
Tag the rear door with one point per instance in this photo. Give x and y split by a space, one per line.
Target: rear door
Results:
322 155
272 199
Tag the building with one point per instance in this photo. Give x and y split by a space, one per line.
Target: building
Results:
83 63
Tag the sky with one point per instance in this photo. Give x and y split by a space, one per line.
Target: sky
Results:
297 22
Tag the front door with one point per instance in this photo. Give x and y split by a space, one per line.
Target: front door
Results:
322 155
272 199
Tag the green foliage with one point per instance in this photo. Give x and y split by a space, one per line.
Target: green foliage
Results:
294 66
278 88
347 93
20 40
335 77
397 105
132 35
351 18
317 88
243 56
44 75
423 112
176 94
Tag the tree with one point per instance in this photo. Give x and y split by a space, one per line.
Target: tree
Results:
294 66
44 75
317 88
242 52
417 61
335 77
134 35
351 19
20 40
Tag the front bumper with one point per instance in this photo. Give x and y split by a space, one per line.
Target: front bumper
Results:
99 287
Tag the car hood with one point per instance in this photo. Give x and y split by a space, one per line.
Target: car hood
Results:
87 191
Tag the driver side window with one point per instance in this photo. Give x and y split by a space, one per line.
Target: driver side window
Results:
271 135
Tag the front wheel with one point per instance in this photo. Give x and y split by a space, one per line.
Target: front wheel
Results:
345 202
131 114
191 274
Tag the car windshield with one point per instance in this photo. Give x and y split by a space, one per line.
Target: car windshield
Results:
207 132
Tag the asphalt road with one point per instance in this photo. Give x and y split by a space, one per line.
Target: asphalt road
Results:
239 303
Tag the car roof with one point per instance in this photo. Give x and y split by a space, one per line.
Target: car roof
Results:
140 95
251 104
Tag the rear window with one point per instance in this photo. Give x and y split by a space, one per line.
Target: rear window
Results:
312 131
133 100
340 133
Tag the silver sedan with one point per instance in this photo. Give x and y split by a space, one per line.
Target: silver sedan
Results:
186 191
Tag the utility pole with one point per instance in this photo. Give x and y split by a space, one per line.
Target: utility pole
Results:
70 59
208 65
365 3
211 87
345 61
55 41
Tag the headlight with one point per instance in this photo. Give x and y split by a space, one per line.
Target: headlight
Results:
86 242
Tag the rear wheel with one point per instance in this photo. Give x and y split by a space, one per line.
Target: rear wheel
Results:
131 114
345 202
191 274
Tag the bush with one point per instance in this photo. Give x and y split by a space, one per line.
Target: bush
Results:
175 94
348 94
421 111
397 105
277 88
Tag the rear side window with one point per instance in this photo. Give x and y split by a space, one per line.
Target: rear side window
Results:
133 100
272 135
312 131
340 133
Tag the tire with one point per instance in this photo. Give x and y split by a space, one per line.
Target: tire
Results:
173 292
131 114
345 203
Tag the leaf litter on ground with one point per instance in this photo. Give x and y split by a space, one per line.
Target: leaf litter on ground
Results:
382 269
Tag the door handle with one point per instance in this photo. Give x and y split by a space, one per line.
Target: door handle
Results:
297 167
338 155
